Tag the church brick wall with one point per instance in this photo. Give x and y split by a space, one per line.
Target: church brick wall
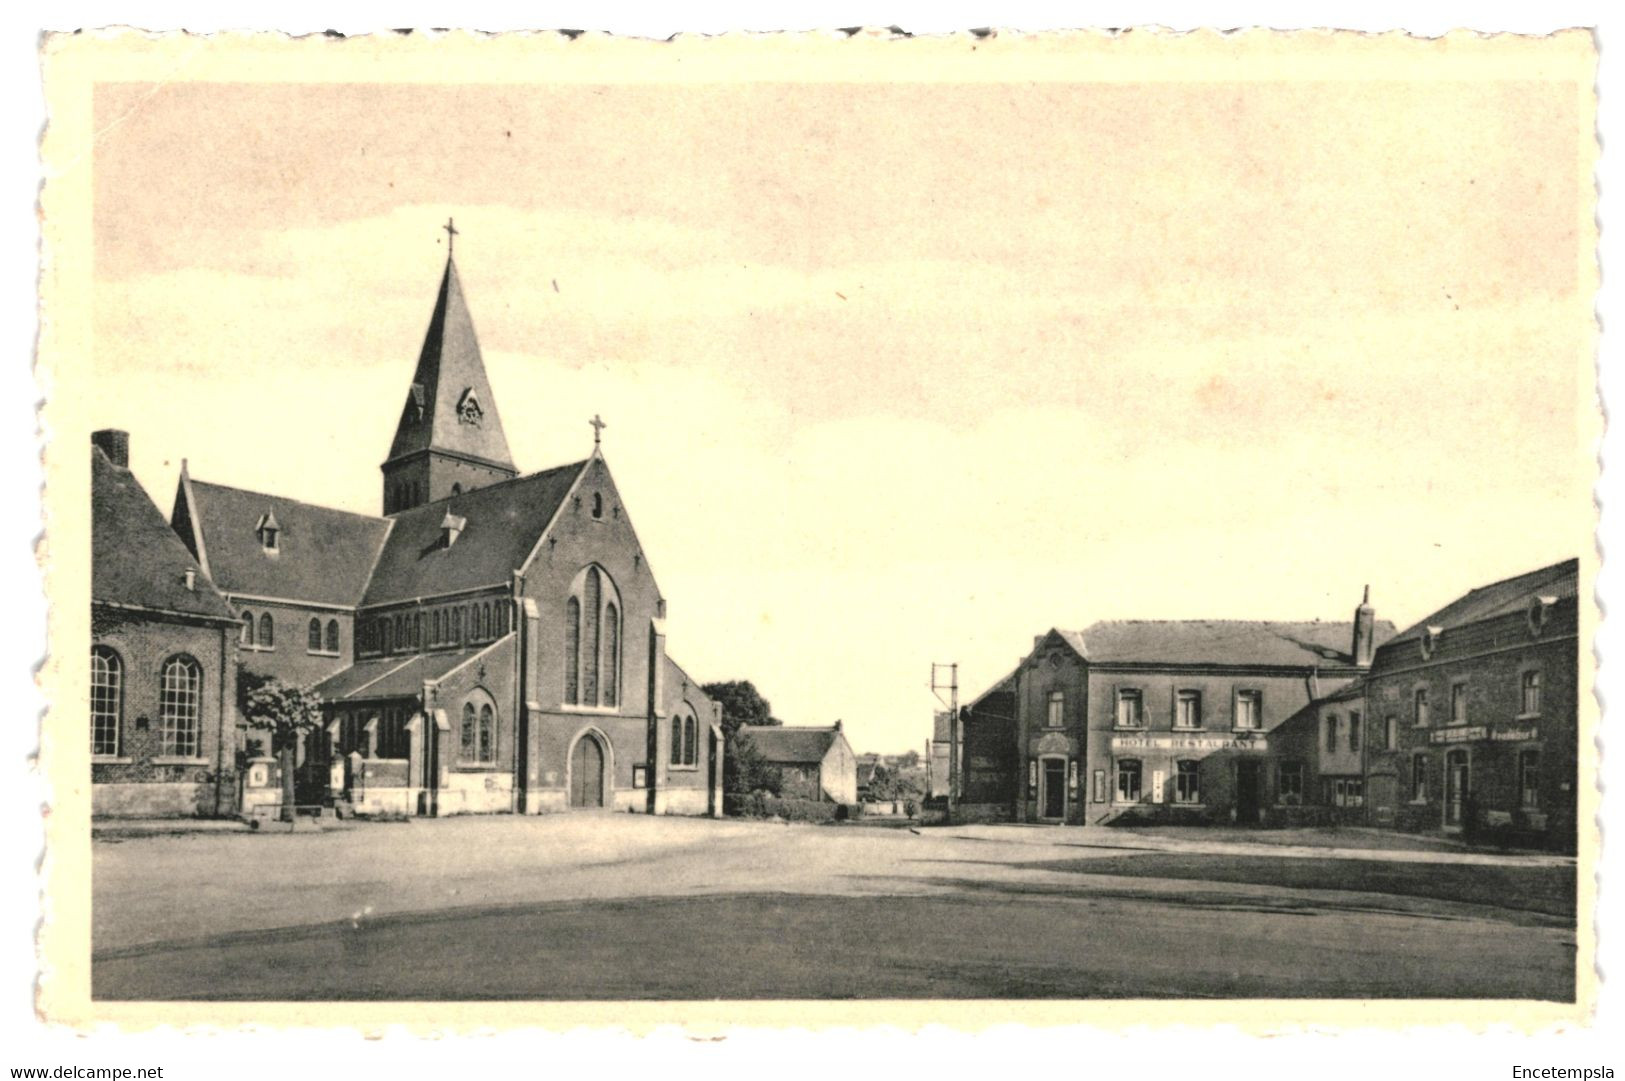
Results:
139 782
291 660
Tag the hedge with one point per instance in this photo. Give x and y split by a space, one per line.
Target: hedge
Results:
761 805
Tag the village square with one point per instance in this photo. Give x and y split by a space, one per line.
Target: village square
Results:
338 755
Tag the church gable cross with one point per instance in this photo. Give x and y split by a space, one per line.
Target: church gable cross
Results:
451 235
598 427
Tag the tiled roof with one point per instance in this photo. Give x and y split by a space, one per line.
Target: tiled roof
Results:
782 745
1007 685
135 558
323 555
450 370
392 677
1560 580
1221 642
503 523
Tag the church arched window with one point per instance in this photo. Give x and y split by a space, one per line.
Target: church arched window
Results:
485 620
332 636
313 638
612 654
248 629
400 632
597 505
180 697
593 640
572 652
676 740
385 644
690 744
267 631
456 489
456 626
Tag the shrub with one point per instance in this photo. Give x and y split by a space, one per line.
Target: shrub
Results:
762 805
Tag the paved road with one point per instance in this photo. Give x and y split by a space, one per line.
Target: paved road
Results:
628 906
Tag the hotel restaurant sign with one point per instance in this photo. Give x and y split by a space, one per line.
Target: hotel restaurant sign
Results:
1479 733
1188 743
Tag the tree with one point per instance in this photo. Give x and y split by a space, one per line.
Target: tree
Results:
909 759
744 772
284 711
741 704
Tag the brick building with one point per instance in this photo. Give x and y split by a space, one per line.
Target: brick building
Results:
162 674
1472 714
492 642
1160 721
812 763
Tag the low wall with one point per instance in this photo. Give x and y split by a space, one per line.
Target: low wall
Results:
152 799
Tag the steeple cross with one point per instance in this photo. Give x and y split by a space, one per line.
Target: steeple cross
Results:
598 427
451 235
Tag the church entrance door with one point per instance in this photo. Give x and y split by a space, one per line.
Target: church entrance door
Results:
587 774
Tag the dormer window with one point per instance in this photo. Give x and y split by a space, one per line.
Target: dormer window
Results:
451 527
268 529
469 410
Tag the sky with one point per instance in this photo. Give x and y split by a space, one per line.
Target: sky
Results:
894 374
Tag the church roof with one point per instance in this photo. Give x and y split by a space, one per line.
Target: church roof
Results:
449 406
135 558
782 745
1231 642
322 555
393 677
1559 581
503 522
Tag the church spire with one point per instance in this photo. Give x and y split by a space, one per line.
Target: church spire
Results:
449 437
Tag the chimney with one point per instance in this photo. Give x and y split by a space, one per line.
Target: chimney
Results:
115 444
837 725
191 581
1365 626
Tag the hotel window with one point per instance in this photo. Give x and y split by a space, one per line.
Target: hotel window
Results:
1354 732
1421 707
1290 788
1187 782
1458 703
179 696
1345 791
1129 714
1390 733
106 700
1057 709
1529 780
1331 732
1531 693
1249 709
1419 778
1128 780
1188 709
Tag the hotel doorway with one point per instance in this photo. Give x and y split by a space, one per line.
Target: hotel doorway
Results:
1456 781
1052 790
1247 786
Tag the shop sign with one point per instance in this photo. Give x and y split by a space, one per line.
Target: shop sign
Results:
1478 732
1187 743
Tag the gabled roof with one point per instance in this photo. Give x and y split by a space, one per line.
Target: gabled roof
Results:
450 377
1261 643
503 522
1559 581
1007 685
395 677
135 558
323 555
783 746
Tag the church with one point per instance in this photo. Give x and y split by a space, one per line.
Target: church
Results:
492 642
